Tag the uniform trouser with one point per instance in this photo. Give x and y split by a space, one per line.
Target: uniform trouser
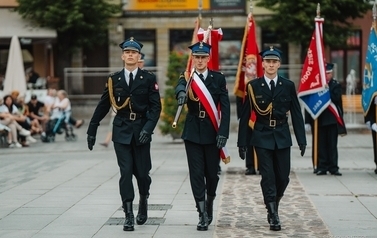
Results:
249 160
274 166
133 160
374 134
203 162
328 148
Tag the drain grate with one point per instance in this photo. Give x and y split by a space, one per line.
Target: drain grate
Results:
118 221
153 207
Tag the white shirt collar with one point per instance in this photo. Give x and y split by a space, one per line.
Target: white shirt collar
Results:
205 73
269 80
127 74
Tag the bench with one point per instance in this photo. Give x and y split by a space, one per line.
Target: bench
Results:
352 103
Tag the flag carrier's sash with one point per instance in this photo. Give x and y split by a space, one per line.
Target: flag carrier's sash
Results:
210 108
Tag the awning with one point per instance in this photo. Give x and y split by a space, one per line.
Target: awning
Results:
12 24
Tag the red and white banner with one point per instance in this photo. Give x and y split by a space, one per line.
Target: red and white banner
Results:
313 75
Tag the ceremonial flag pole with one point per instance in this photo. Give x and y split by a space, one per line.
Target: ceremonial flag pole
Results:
194 38
312 85
250 62
249 66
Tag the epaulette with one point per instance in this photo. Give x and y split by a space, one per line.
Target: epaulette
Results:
147 71
112 74
217 72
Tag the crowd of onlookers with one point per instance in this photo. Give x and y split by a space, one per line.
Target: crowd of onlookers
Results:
23 123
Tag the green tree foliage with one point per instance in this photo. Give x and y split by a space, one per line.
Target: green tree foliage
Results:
294 19
177 64
78 23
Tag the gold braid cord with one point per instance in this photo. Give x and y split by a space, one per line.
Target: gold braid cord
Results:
260 111
111 95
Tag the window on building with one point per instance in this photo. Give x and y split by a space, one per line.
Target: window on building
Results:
348 64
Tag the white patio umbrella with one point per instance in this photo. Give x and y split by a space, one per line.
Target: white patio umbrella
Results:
15 78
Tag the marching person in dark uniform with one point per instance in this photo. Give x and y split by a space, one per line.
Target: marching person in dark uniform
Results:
272 98
134 94
371 120
202 140
329 128
249 160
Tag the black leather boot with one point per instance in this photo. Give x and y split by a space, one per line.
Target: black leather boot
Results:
273 217
130 219
142 214
203 217
277 208
209 204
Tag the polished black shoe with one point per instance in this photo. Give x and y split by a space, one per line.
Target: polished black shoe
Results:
315 171
320 172
337 173
375 171
250 171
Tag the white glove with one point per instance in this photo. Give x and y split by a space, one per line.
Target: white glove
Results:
308 127
368 124
374 127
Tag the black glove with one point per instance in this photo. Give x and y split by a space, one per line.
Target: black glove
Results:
91 141
144 136
182 99
242 152
302 148
221 141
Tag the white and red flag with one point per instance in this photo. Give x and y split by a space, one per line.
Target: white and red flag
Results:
212 37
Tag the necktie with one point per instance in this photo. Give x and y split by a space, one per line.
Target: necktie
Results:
201 77
272 82
131 79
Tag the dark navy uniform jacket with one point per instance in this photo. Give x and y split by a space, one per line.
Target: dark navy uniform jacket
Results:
145 102
284 103
200 130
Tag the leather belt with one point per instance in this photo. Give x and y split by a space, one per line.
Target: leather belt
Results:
200 114
272 122
132 116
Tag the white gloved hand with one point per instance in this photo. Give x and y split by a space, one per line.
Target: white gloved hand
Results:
374 127
308 127
368 124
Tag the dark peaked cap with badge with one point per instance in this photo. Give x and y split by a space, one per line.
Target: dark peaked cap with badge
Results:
271 53
131 44
200 49
329 67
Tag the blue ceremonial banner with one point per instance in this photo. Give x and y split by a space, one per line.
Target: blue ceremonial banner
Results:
317 102
370 71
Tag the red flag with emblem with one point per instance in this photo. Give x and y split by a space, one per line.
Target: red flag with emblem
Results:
250 62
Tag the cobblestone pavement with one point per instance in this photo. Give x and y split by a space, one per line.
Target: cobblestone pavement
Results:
241 211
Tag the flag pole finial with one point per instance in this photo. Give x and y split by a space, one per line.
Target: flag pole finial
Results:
374 10
251 6
210 23
318 10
